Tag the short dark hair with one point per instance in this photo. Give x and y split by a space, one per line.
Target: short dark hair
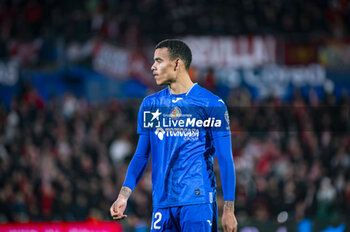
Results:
177 49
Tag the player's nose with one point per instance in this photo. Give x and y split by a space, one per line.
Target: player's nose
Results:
153 67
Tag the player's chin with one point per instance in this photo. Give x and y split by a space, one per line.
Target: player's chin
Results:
160 82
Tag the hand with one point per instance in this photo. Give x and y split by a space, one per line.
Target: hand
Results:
118 208
229 221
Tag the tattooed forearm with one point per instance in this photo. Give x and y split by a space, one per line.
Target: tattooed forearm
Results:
125 192
229 205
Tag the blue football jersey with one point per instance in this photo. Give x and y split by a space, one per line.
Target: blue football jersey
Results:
181 129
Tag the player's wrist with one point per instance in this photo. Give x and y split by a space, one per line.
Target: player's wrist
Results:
124 193
229 206
122 198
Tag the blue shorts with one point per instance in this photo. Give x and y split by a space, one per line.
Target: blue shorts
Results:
188 218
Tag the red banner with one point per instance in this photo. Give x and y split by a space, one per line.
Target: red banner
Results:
62 227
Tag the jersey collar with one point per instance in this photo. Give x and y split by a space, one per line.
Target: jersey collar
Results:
183 94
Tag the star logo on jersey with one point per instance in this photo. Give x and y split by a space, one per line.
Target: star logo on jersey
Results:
151 119
155 115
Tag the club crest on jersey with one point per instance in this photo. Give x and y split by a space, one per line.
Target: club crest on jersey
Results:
176 113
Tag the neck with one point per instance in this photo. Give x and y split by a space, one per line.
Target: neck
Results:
181 85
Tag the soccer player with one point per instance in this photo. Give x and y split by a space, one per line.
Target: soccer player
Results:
183 126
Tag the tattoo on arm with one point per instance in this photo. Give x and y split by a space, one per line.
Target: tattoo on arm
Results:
229 205
125 192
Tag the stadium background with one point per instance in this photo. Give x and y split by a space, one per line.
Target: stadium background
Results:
73 73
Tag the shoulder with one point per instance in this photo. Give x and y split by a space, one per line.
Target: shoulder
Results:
208 97
150 99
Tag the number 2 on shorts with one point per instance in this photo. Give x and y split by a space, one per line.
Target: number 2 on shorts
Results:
158 217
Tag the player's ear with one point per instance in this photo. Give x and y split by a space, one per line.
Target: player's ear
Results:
177 64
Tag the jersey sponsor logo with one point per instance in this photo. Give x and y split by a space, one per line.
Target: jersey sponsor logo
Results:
156 115
186 133
151 119
191 122
160 132
177 122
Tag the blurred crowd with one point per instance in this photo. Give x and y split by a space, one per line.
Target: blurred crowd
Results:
292 156
66 159
63 159
138 21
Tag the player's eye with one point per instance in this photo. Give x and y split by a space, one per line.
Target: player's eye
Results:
158 60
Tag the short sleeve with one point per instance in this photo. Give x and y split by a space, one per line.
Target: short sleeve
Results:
219 113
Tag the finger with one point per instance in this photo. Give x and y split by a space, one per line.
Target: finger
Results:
228 229
111 211
235 227
225 229
114 211
115 207
118 214
120 217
